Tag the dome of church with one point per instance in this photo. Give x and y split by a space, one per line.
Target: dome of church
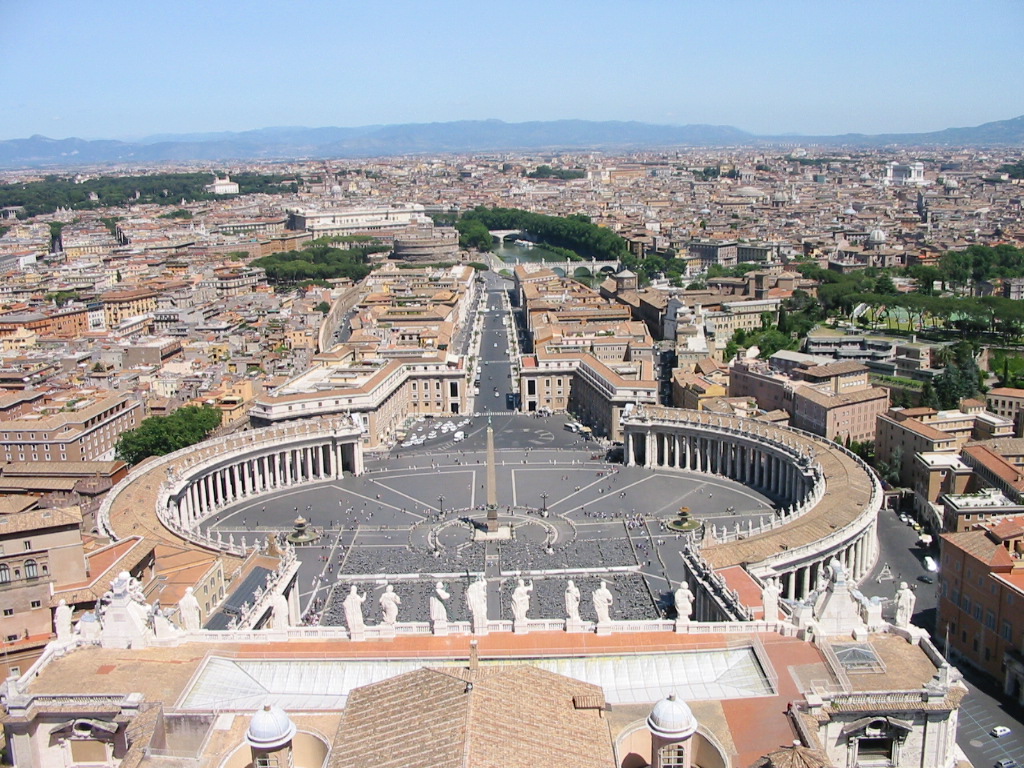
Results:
781 197
270 728
951 184
865 176
876 237
672 719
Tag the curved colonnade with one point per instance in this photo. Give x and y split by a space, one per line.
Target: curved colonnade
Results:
186 487
828 497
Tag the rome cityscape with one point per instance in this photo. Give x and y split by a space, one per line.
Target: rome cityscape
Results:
681 426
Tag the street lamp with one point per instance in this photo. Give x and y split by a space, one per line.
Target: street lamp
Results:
544 503
440 501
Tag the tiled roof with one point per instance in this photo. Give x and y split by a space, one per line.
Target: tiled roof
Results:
487 718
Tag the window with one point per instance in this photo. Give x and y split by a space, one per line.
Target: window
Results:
31 569
28 544
36 604
977 611
1007 631
990 620
12 638
8 611
5 574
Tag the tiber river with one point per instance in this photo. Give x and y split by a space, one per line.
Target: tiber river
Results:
513 254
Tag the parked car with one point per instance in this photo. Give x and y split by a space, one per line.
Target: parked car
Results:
930 564
1007 762
1000 730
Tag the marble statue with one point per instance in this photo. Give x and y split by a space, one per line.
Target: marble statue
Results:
280 618
389 603
521 600
62 621
572 601
770 600
683 599
603 603
476 601
354 610
905 602
438 610
188 610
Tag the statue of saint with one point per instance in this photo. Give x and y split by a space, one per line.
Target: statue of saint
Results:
683 599
438 611
354 610
603 603
476 601
280 616
62 621
905 602
521 600
572 601
770 600
188 611
389 603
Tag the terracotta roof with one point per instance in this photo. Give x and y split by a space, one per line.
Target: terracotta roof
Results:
438 718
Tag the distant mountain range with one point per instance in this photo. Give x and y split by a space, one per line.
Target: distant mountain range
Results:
454 137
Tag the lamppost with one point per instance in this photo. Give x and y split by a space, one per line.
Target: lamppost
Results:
544 504
440 501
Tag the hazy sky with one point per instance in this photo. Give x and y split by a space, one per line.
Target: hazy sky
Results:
131 68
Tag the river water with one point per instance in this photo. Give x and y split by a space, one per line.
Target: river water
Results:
513 254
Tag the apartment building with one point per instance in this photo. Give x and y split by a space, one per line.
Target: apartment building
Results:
981 596
68 425
119 306
39 550
1007 402
903 432
834 400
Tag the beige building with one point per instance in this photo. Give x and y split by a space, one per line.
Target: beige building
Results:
40 550
119 306
80 425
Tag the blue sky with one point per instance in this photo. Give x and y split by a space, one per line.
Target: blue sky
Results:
120 69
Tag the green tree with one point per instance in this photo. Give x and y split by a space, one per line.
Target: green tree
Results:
160 435
323 307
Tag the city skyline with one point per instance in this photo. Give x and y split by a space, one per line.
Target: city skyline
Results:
127 72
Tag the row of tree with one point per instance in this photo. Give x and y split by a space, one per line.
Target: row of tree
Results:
318 262
576 232
160 435
53 192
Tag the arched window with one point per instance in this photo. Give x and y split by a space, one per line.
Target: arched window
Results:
31 569
5 574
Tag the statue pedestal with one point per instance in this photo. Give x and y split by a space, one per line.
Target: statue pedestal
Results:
481 630
357 635
604 627
520 627
572 625
681 625
441 628
500 533
386 631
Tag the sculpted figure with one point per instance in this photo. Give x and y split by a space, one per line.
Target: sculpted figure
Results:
188 610
684 602
476 601
389 603
438 610
572 601
905 602
603 603
62 621
280 618
770 601
354 610
521 600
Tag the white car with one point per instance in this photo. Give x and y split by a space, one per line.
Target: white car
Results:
459 436
432 434
930 564
999 730
496 393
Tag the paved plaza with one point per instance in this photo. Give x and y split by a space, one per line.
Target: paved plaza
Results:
411 520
